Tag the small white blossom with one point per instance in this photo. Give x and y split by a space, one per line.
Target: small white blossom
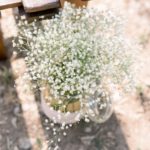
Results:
74 50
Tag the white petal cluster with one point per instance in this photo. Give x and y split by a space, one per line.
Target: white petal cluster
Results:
74 50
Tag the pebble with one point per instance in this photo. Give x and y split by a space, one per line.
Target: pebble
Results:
86 140
14 122
8 142
87 130
1 100
110 135
16 148
24 144
16 110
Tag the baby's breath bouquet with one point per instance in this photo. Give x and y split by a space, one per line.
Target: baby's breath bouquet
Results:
76 55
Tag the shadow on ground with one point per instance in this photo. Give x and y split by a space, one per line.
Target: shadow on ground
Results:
13 131
86 136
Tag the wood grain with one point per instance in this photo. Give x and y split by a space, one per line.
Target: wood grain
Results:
40 5
4 4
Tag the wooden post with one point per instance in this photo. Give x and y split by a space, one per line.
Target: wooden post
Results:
2 47
4 4
78 3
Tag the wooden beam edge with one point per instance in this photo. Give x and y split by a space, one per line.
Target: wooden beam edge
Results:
11 4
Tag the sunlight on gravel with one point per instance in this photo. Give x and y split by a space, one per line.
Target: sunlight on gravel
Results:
23 125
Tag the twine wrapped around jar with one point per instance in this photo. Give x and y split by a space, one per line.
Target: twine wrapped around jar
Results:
68 114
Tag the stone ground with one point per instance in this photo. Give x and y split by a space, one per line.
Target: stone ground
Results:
23 125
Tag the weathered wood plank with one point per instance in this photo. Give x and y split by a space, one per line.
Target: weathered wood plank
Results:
35 15
40 5
29 106
4 4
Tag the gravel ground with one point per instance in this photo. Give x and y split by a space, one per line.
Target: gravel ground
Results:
128 127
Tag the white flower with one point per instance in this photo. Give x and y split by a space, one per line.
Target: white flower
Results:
75 49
